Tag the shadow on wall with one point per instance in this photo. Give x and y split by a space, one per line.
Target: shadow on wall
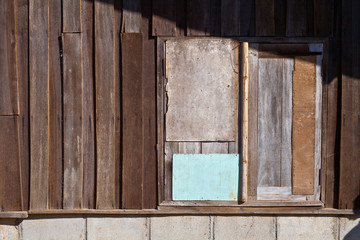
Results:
354 234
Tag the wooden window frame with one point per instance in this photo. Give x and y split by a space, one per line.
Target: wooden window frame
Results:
244 201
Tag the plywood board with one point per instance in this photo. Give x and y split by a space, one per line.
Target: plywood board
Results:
303 128
202 90
206 177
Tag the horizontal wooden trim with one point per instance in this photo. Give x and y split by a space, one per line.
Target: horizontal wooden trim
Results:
305 40
14 214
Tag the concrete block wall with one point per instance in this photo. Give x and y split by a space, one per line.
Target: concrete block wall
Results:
182 228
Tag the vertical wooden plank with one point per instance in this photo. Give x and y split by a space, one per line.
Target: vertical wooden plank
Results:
198 17
247 18
164 18
10 179
190 147
9 99
296 20
303 129
22 63
286 122
269 121
214 147
230 17
71 15
132 16
55 108
280 18
181 17
133 132
265 18
105 103
39 104
253 121
323 17
170 149
149 114
73 121
87 41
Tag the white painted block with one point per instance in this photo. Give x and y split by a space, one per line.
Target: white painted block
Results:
350 228
8 231
117 228
53 229
314 228
180 228
247 227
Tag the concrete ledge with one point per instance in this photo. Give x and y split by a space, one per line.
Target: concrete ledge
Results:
9 230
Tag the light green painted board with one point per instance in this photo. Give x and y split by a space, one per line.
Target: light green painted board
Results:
206 177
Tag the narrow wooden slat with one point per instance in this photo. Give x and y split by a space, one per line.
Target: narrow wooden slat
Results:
164 18
269 122
247 18
323 17
55 108
253 121
149 114
280 18
265 19
132 16
88 104
296 20
214 147
230 17
180 17
10 178
170 149
9 99
132 122
303 129
71 15
198 17
105 104
73 120
39 104
190 147
22 50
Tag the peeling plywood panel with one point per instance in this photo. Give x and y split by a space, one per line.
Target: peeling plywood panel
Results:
202 90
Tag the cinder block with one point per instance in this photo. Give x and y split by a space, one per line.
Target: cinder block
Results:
8 230
117 228
350 228
180 228
245 228
54 229
307 228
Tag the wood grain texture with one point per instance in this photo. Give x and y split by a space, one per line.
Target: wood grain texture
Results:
303 138
164 18
55 108
247 18
73 120
9 98
214 147
132 16
270 122
71 18
199 17
265 18
10 171
170 148
323 17
89 161
190 147
230 18
39 104
296 18
132 120
105 104
280 18
22 63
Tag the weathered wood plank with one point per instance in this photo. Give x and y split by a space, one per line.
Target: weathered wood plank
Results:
323 17
181 17
303 129
132 16
265 18
149 113
247 18
214 147
133 132
190 147
199 17
22 63
230 17
164 18
71 10
280 18
9 98
170 149
73 120
286 123
10 178
87 41
269 122
105 103
55 108
39 104
296 18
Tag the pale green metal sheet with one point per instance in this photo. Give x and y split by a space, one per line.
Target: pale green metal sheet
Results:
206 177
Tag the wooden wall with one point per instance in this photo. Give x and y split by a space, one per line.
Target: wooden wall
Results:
78 93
